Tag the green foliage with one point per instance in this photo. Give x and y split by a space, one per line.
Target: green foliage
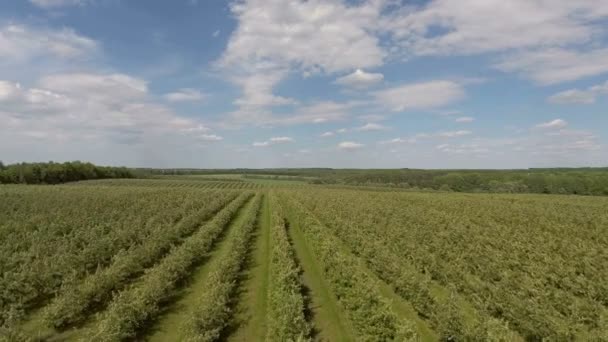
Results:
368 311
481 267
55 173
285 317
474 267
214 307
70 305
51 237
141 302
577 181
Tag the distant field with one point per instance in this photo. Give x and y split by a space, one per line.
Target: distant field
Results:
260 179
260 259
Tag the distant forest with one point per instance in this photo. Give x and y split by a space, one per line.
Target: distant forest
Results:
55 173
579 181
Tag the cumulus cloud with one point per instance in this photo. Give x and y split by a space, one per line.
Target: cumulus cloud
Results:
453 134
471 148
274 38
48 4
444 27
280 140
416 138
360 79
91 106
577 96
556 65
185 95
546 36
411 140
424 95
553 124
273 141
21 43
350 145
312 113
464 119
314 35
371 127
210 137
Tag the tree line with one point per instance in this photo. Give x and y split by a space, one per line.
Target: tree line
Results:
583 181
56 173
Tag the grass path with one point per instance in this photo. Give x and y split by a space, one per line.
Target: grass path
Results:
167 326
34 326
330 323
399 306
402 307
249 321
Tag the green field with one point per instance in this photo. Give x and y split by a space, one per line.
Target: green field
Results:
235 258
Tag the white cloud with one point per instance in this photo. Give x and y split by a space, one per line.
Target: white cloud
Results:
444 27
586 96
350 145
464 119
9 90
327 134
542 39
429 137
20 44
274 38
185 94
280 140
453 134
554 124
210 137
556 65
470 148
371 117
572 96
411 140
360 79
196 129
92 107
257 90
312 113
313 35
47 4
371 127
273 141
420 95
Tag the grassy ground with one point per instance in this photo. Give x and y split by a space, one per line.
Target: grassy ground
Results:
330 323
249 323
167 327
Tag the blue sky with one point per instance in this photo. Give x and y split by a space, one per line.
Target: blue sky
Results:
291 83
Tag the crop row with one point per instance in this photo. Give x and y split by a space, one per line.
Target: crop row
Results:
213 309
286 305
171 183
449 315
68 307
358 294
53 236
209 183
512 259
141 301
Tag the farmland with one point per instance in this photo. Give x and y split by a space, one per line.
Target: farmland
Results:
193 258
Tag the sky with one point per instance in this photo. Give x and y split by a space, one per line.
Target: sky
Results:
316 83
